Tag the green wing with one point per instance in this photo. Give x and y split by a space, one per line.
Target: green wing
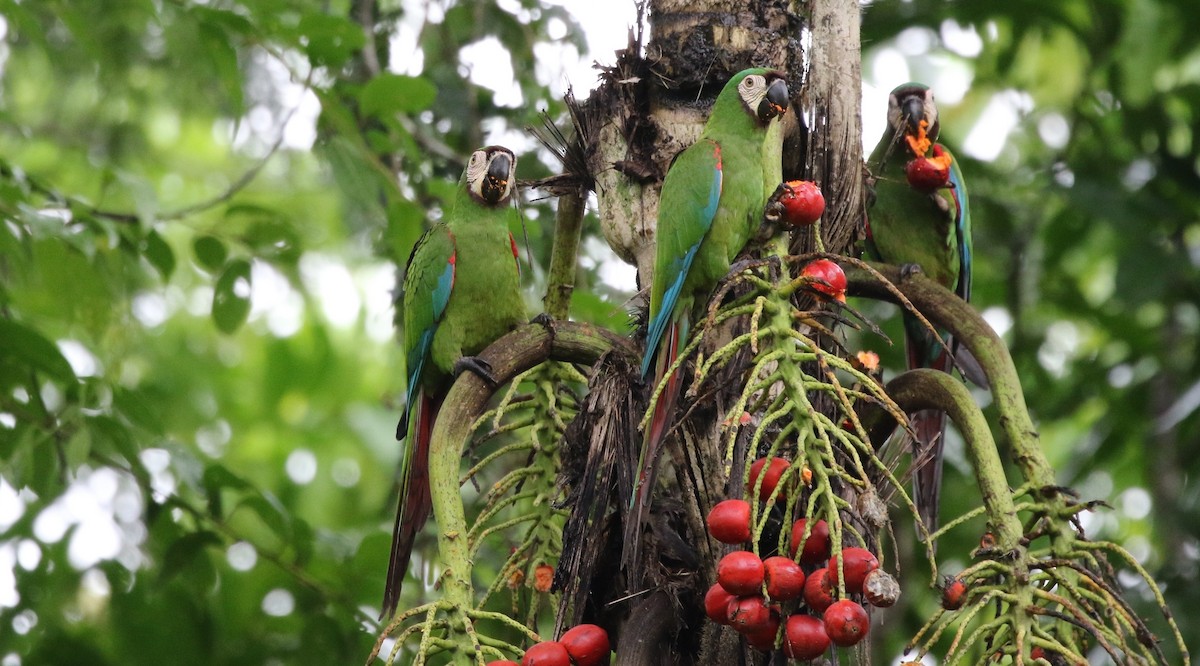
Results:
428 283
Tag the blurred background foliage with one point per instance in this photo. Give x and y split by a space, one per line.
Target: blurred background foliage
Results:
202 204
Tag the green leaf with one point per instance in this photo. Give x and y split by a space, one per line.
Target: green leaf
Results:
331 40
223 55
388 94
231 296
270 511
26 346
218 478
78 447
183 551
210 253
159 254
110 434
267 232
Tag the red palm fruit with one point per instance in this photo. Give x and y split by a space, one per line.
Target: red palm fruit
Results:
927 174
816 548
954 593
857 563
729 521
804 637
547 653
784 578
748 613
818 590
587 644
846 622
802 202
502 662
763 637
716 604
770 478
828 278
740 572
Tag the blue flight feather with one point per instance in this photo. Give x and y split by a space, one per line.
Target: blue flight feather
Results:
679 268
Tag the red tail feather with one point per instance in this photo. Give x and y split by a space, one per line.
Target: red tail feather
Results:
930 429
656 430
415 503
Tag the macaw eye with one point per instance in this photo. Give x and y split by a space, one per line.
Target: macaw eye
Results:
753 81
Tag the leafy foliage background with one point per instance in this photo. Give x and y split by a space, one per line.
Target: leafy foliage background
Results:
198 384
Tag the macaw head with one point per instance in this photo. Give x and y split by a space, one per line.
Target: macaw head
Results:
491 175
764 93
908 105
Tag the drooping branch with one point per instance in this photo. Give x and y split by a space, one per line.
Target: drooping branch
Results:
931 389
514 353
950 312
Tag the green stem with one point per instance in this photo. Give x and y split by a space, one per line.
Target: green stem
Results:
514 353
931 389
568 228
945 309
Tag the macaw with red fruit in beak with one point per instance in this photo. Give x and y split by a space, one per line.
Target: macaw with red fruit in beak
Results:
921 219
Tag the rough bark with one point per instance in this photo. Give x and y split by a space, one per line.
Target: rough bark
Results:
650 108
652 104
830 151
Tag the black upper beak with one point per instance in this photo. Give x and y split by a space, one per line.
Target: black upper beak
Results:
775 102
495 185
914 112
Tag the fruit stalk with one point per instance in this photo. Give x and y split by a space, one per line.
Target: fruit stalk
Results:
514 353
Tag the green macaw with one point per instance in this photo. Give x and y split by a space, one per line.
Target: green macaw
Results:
461 292
929 229
711 204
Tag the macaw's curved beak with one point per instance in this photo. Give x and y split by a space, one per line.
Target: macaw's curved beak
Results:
775 102
914 112
496 183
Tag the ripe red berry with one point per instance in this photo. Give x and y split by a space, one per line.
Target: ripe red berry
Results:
858 562
740 572
716 604
802 202
926 174
587 644
784 578
818 590
502 662
816 548
846 622
954 594
881 589
547 653
828 278
763 637
748 613
804 637
770 478
729 521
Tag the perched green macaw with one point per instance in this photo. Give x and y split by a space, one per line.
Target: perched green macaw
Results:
711 204
929 229
461 293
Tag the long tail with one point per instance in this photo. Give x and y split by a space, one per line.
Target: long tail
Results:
656 430
415 501
929 426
